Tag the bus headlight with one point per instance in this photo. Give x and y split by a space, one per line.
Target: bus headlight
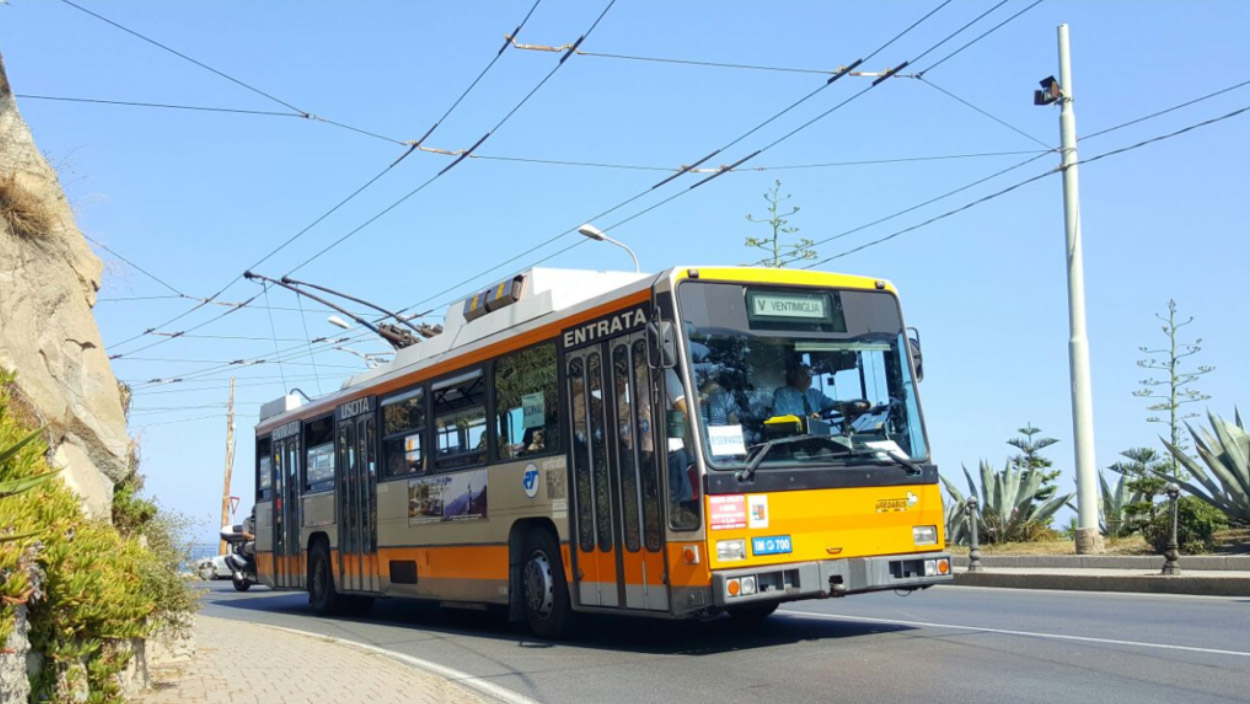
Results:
730 550
924 535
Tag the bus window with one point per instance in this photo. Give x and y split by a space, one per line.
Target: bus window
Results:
403 422
319 457
460 420
264 470
527 415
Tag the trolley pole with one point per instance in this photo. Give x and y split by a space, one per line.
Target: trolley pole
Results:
225 493
1088 537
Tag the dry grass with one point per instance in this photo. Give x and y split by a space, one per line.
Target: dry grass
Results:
27 215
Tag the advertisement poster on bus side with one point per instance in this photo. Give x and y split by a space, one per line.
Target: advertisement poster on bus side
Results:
448 497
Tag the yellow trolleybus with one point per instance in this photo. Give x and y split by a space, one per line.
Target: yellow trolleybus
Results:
700 441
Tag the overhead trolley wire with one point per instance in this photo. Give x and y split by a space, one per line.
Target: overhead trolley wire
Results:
689 167
461 156
1165 111
297 111
979 37
776 167
319 219
168 106
1038 177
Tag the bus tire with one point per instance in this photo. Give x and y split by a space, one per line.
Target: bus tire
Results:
544 591
322 596
754 613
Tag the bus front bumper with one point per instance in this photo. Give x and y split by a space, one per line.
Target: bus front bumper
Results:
826 578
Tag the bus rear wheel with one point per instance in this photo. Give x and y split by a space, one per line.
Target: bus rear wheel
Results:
322 596
545 593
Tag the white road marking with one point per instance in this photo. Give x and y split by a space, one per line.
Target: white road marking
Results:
1083 592
482 686
1025 634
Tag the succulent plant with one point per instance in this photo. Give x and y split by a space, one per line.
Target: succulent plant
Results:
1009 506
1225 480
1116 521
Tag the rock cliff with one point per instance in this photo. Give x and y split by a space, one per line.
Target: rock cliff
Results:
48 335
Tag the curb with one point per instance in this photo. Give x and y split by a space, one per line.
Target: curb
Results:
1143 583
478 685
1111 562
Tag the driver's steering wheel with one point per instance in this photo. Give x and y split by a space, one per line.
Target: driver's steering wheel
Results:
847 411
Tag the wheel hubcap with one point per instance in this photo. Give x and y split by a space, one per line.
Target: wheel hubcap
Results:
539 584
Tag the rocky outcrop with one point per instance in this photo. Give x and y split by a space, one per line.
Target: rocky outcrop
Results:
48 335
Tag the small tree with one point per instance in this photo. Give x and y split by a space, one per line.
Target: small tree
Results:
1172 387
1141 473
780 254
1031 460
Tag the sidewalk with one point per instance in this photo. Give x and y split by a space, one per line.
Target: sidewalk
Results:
239 662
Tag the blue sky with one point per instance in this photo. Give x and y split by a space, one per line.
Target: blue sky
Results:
196 197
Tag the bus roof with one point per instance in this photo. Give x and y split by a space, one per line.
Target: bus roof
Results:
547 300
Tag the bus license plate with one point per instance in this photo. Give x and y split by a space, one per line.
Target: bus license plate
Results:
775 545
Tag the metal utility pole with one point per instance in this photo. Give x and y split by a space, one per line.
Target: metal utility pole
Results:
225 493
1088 537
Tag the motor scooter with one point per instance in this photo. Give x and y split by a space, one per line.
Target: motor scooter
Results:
242 557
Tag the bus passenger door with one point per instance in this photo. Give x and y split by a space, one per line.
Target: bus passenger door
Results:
357 504
288 567
592 542
365 525
349 517
639 525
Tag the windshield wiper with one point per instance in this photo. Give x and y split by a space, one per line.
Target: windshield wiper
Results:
749 471
895 458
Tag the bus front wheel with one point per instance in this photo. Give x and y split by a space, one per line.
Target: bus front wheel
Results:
545 592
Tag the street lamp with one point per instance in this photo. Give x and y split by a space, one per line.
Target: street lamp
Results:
372 359
597 235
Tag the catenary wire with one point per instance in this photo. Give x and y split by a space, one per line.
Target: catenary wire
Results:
1038 177
311 225
681 171
981 36
351 233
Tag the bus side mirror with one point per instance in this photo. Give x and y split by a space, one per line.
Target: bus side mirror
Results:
661 344
913 341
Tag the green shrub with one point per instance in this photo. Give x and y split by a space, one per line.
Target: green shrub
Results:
99 584
1196 524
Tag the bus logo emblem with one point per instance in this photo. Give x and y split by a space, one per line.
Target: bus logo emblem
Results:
529 481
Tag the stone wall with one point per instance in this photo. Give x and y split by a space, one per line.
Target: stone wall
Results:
48 334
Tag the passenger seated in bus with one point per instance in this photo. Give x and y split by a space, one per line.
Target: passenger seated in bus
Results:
797 397
531 442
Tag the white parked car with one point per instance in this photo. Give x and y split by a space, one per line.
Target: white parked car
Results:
215 567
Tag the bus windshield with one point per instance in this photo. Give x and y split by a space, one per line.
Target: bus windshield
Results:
824 370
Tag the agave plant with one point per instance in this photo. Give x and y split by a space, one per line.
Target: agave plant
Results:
1008 499
1225 481
1115 506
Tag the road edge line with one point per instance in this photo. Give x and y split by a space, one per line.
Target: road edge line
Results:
481 685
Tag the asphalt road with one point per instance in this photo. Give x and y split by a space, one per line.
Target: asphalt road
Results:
948 644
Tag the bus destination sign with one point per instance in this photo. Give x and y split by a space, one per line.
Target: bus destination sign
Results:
807 306
351 409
